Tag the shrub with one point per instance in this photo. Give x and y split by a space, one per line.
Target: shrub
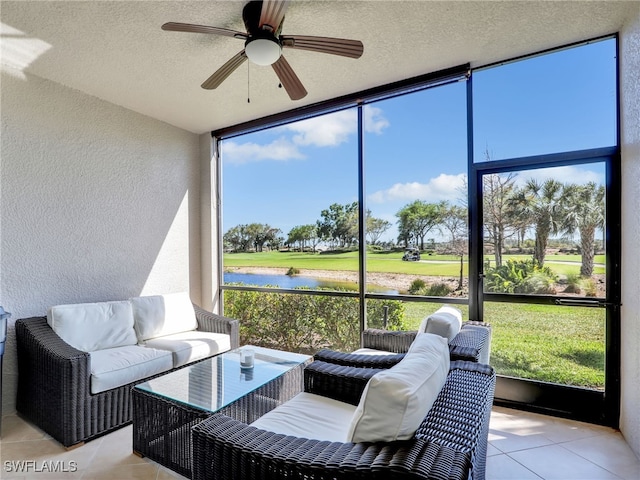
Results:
305 323
590 288
519 276
574 282
417 286
437 290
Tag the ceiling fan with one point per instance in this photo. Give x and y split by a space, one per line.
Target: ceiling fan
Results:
263 45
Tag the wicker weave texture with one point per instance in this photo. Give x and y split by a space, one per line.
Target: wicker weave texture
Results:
472 343
450 443
54 382
162 427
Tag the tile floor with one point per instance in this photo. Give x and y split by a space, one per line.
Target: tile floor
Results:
522 446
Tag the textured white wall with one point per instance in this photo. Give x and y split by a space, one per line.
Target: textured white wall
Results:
96 203
630 129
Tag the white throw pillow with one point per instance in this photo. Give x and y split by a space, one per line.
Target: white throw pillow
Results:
159 315
94 326
395 401
446 322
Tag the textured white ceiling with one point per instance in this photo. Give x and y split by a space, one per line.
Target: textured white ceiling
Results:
115 50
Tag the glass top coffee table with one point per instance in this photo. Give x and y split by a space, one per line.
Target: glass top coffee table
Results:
165 408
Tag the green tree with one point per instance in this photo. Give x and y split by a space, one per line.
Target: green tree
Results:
256 235
376 227
541 205
584 212
339 224
303 235
416 220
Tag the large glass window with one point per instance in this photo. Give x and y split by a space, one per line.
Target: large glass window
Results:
544 231
546 175
290 205
416 193
556 102
508 210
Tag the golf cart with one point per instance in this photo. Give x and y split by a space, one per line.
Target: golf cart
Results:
411 255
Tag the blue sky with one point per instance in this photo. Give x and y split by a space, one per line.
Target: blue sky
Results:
415 145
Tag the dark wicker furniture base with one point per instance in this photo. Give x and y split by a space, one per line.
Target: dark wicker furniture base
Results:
451 442
162 426
472 343
54 382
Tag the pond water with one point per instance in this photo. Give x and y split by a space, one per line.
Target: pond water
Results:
293 281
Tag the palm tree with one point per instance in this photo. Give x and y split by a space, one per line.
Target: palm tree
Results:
539 204
584 213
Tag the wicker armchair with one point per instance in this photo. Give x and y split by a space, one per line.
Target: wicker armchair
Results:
472 343
451 442
54 382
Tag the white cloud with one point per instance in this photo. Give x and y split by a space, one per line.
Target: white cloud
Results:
281 149
568 174
374 120
336 128
323 131
442 187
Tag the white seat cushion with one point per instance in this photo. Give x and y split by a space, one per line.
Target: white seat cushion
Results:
395 401
114 367
309 416
446 322
372 351
188 347
94 326
160 315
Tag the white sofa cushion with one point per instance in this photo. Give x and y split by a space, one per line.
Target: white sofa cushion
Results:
159 315
309 416
188 347
446 322
395 401
114 367
372 351
93 326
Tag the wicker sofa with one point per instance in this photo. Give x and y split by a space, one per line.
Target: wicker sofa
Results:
450 443
469 341
56 384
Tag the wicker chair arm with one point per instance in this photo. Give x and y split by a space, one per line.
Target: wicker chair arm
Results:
360 360
338 382
388 340
224 448
211 322
472 342
53 379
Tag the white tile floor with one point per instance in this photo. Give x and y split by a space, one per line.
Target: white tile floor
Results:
526 446
521 446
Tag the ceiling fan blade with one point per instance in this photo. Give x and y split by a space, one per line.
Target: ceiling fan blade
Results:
330 45
188 27
224 71
272 13
289 79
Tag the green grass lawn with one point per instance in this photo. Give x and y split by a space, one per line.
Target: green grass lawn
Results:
437 265
540 342
548 343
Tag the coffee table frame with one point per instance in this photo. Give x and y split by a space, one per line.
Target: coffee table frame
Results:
162 427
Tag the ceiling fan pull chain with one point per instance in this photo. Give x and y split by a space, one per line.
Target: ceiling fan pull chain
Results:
248 93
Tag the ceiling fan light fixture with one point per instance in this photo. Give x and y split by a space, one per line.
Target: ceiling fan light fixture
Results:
263 51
